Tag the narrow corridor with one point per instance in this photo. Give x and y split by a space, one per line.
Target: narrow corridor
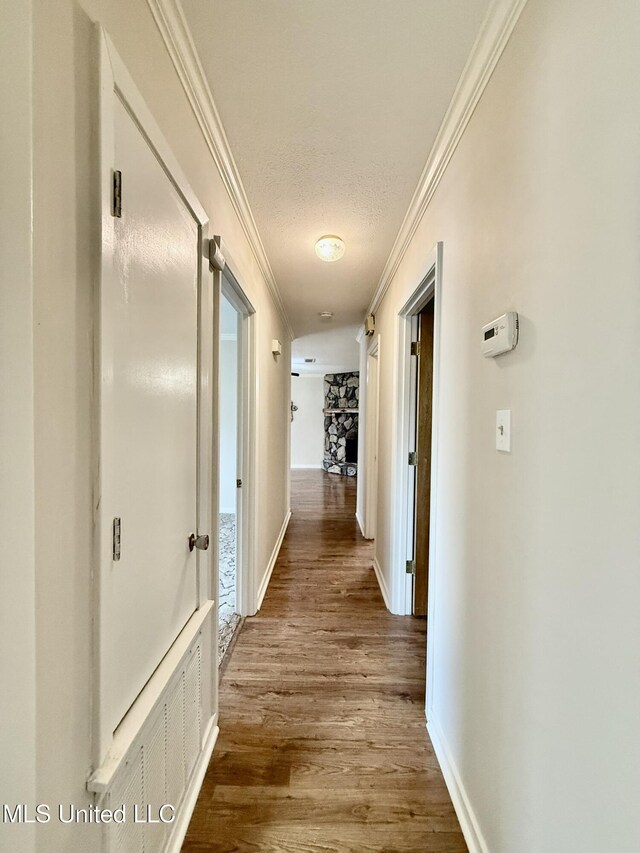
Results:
322 744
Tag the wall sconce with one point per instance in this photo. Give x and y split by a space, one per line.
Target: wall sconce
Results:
276 347
370 325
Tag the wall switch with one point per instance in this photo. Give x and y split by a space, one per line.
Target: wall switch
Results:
503 430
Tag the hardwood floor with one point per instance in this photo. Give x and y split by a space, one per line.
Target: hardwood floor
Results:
322 744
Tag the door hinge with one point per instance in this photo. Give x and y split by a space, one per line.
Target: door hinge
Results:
117 528
116 207
411 567
413 458
239 484
415 347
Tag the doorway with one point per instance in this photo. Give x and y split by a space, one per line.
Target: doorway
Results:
416 432
229 463
236 458
420 455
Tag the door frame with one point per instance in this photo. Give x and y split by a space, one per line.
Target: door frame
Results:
229 284
372 410
115 82
430 287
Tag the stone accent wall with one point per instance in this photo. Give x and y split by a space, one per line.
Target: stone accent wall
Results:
341 391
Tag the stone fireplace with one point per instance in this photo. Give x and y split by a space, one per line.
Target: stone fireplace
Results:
341 393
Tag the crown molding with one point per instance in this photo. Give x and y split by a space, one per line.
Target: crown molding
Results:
175 33
494 34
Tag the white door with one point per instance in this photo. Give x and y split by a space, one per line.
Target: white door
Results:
151 591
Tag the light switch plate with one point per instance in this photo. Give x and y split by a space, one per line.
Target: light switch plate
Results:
503 430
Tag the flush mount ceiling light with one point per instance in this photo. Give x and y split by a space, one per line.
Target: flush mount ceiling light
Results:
325 315
330 248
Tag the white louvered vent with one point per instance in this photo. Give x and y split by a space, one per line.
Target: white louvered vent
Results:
163 758
192 712
129 836
176 774
155 783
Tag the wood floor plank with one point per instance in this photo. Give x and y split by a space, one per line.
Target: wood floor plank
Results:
322 746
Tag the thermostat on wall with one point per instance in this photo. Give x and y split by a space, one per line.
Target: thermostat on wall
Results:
501 335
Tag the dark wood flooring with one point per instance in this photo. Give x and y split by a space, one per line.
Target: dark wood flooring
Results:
322 743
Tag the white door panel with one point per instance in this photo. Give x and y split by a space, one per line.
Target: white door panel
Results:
151 592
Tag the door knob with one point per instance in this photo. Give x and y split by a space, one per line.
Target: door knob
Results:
200 542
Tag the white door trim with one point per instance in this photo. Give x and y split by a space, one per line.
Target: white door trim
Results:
115 82
372 409
246 583
430 287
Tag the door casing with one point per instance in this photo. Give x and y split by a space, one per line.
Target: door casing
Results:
371 438
228 284
430 287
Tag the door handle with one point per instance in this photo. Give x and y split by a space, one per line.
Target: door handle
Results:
200 542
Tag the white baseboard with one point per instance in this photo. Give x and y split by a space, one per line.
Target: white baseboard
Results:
382 583
459 797
272 561
174 844
360 523
305 467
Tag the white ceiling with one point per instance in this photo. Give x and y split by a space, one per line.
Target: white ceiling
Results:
335 350
331 108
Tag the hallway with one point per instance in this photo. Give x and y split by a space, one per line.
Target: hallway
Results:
322 741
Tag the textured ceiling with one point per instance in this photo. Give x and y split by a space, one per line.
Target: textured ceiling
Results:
331 108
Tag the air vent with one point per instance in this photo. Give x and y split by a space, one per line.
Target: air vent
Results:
309 361
161 762
129 793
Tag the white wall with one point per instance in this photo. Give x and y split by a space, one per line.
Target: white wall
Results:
537 582
307 427
228 424
17 519
66 228
335 350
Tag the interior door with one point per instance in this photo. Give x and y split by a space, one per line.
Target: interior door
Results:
151 590
423 468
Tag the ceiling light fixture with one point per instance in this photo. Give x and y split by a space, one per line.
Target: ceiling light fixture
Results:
325 315
330 248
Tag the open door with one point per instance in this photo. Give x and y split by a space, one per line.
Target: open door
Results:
229 467
235 419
